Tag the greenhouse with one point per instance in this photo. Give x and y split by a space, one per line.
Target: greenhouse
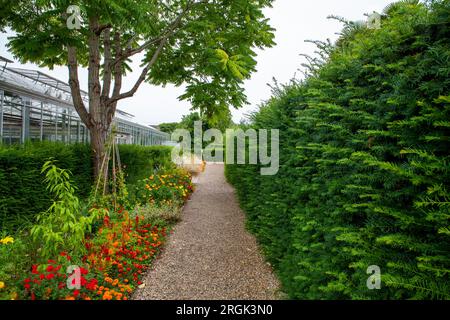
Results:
37 107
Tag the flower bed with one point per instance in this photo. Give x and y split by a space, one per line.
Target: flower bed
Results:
164 188
115 256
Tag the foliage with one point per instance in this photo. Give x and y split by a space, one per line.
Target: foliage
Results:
166 187
138 161
14 260
22 182
121 252
116 259
160 215
168 127
364 164
62 226
112 255
208 46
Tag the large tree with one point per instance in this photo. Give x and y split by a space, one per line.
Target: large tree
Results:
207 45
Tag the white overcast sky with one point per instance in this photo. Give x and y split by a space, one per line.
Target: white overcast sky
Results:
294 20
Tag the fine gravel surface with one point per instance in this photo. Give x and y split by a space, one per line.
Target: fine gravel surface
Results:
210 255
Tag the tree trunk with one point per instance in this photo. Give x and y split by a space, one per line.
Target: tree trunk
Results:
98 135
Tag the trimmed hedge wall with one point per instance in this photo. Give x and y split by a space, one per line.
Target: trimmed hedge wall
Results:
22 192
364 173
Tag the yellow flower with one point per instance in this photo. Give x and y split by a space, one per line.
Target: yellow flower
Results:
2 284
7 240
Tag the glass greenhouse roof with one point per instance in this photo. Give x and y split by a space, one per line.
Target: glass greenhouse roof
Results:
45 87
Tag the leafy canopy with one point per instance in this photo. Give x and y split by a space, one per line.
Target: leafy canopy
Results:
209 46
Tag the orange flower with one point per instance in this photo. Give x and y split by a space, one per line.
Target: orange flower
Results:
107 296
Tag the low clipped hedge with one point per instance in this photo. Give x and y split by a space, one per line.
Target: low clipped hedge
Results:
23 193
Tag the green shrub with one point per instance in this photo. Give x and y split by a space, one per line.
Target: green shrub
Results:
63 226
364 173
22 188
141 161
165 186
161 215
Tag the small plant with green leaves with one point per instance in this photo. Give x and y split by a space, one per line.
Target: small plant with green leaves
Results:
160 215
62 226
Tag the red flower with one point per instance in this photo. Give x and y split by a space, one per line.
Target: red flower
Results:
50 261
61 285
76 293
50 276
34 269
27 286
33 297
49 268
83 271
41 276
91 285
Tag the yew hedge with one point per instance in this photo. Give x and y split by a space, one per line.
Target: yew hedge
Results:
23 193
364 173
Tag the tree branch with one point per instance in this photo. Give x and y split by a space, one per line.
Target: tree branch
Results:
107 75
117 97
112 105
75 87
168 32
98 30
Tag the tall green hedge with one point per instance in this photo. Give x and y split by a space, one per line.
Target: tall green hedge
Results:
22 192
365 164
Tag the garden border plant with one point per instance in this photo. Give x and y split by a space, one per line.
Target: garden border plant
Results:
113 248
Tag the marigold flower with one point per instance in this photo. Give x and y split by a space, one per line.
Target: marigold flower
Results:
7 240
2 284
107 296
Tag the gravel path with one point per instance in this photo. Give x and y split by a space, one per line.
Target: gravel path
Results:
210 255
